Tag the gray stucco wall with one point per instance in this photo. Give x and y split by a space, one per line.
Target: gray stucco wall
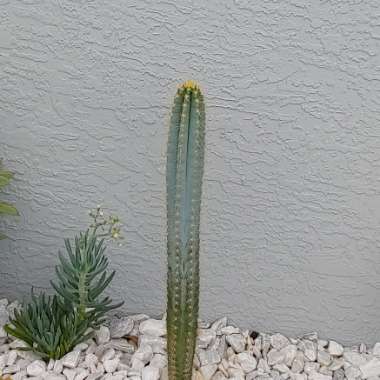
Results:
291 211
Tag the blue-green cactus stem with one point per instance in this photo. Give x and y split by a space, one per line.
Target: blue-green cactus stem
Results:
185 158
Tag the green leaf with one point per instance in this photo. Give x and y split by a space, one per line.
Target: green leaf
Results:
5 178
6 208
2 236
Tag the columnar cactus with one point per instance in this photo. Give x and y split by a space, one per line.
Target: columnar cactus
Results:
185 157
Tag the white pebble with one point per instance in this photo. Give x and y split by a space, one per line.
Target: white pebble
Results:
352 373
247 362
310 367
50 365
376 349
108 355
121 327
91 361
3 360
299 376
157 343
218 325
324 358
20 375
309 349
17 343
144 353
219 376
208 371
354 358
153 327
58 367
55 377
159 361
208 357
150 373
205 337
82 375
335 348
319 376
298 362
370 369
12 356
275 357
282 368
263 366
278 341
289 353
137 364
23 363
69 373
236 341
36 368
236 373
71 359
111 365
102 336
228 330
81 347
94 376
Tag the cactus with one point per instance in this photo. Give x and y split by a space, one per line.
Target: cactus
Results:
185 157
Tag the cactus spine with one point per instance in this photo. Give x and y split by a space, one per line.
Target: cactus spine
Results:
185 157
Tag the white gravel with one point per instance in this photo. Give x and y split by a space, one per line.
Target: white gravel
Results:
134 348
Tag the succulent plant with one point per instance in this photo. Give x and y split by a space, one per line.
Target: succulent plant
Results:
185 160
82 277
5 208
52 325
48 329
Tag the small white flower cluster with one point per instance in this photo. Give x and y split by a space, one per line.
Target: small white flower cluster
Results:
105 226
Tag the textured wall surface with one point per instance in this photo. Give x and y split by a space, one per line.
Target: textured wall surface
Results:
291 206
